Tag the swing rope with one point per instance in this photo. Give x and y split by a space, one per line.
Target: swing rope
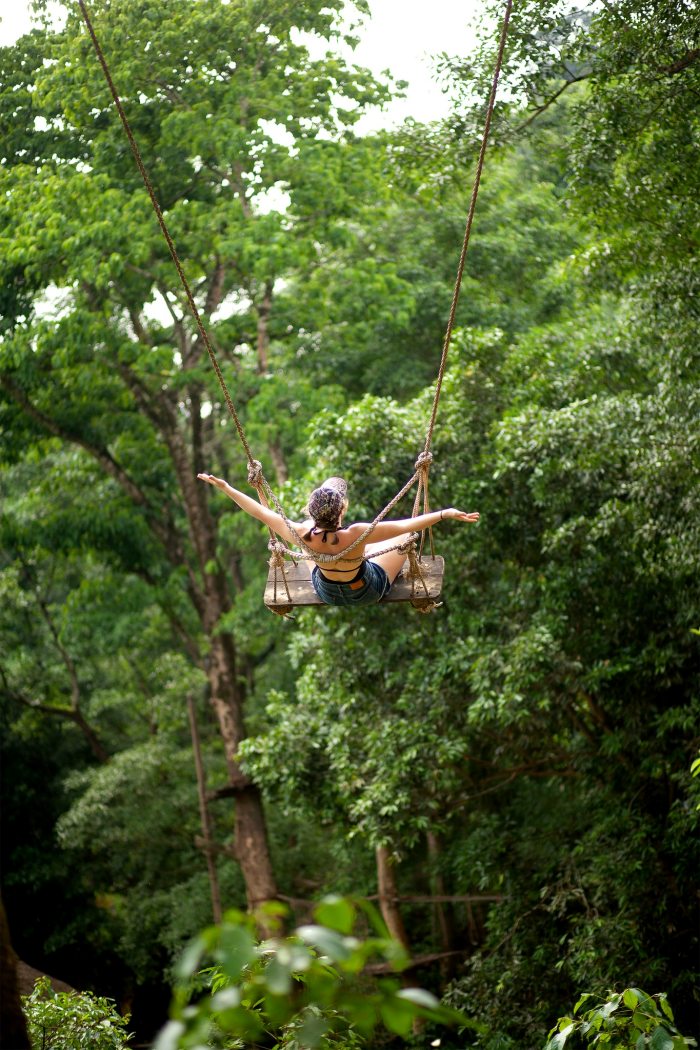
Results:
166 233
255 471
470 219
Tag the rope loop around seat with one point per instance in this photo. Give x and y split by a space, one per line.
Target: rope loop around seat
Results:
278 567
277 552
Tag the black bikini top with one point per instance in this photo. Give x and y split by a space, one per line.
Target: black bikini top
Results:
323 533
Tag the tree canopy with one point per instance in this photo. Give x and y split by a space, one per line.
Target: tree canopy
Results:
510 776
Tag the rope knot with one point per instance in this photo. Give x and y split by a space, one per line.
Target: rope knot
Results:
255 473
409 545
277 552
424 460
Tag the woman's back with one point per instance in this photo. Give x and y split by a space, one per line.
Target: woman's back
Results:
321 542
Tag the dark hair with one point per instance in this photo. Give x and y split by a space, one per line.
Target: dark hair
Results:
326 505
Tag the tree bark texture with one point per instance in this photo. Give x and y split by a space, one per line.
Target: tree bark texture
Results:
13 1025
388 894
208 844
227 698
442 912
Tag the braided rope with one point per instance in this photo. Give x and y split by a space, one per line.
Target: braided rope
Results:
166 233
470 220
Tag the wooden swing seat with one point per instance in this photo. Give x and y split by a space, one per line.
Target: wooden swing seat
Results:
403 589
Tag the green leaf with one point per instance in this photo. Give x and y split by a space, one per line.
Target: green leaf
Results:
559 1040
420 997
278 1008
226 999
363 1011
169 1036
583 999
328 942
236 950
336 912
190 959
629 997
646 1001
278 977
397 1015
312 1031
609 1008
241 1022
661 1040
641 1021
665 1006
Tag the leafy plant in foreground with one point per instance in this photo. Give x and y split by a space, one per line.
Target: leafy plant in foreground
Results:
629 1020
73 1020
307 989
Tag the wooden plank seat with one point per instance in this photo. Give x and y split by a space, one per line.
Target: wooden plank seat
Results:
302 593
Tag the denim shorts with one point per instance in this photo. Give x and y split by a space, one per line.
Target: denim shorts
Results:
369 586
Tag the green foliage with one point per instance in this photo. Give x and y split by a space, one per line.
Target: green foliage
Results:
73 1020
695 771
540 727
628 77
629 1020
134 822
306 989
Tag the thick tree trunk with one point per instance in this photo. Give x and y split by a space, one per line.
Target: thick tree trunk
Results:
263 333
388 894
13 1026
442 912
278 461
207 837
227 685
251 845
207 590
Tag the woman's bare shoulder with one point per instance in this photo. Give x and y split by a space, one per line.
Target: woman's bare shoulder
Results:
356 529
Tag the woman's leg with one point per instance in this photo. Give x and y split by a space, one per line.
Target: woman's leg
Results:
393 561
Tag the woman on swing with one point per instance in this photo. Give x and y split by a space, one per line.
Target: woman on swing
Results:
365 576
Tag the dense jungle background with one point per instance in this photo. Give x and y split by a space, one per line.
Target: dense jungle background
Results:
516 766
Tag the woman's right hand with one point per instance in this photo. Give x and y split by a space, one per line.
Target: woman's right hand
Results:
218 483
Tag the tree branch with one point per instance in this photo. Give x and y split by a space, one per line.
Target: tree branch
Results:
544 106
376 969
214 295
65 655
139 328
682 63
216 288
103 457
72 714
166 534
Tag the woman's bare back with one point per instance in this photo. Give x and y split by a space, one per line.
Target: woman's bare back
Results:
321 542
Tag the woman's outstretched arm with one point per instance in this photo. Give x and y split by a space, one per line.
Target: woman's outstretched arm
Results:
389 530
251 506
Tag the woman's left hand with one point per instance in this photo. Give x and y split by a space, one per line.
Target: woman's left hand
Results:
460 515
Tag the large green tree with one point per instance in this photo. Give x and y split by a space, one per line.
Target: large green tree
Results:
229 106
